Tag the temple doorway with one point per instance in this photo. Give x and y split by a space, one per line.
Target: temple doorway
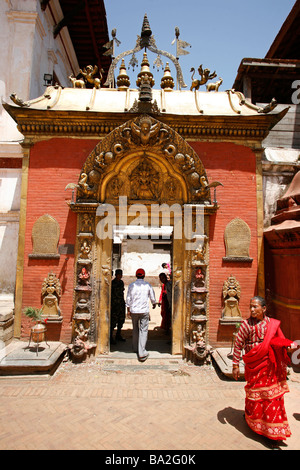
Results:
148 248
138 181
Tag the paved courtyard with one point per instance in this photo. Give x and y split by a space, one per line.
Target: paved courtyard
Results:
117 403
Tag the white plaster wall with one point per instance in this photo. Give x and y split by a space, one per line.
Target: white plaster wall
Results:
274 186
28 51
10 190
140 254
279 167
150 262
8 255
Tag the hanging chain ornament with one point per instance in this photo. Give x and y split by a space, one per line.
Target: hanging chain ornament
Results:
133 61
158 63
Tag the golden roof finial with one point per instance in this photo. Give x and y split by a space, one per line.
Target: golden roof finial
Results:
123 81
145 72
145 41
146 30
167 82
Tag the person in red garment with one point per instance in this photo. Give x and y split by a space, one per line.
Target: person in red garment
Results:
266 357
165 301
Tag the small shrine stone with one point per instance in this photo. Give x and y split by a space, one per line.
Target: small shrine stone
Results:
45 237
237 241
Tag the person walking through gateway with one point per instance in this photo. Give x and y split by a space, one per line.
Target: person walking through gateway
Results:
139 294
165 301
117 311
266 357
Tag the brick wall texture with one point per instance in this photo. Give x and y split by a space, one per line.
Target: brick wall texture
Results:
233 166
56 162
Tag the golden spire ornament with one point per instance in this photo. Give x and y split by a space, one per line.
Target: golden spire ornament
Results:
123 81
145 72
167 82
146 41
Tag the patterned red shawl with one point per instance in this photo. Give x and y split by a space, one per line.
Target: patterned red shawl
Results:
265 372
271 352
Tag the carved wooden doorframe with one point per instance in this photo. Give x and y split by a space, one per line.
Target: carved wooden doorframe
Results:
143 163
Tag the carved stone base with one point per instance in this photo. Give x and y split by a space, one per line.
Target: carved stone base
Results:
52 319
230 320
6 327
237 259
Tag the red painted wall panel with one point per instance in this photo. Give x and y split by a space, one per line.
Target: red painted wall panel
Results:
235 167
55 163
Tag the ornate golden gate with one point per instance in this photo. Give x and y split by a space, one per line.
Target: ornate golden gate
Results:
143 167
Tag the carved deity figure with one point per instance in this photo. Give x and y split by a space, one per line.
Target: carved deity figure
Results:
51 292
115 187
144 181
199 281
82 332
198 347
205 76
86 224
145 133
80 345
199 335
89 75
231 296
85 250
84 277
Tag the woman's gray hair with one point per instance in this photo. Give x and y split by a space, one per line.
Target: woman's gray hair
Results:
261 300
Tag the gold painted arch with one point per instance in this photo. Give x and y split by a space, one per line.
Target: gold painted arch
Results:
143 176
145 152
148 162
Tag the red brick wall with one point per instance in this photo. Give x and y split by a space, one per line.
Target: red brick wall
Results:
53 164
57 162
234 167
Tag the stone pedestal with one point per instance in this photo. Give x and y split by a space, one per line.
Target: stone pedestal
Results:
6 327
6 322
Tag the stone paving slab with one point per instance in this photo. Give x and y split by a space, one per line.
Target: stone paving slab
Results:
223 358
20 359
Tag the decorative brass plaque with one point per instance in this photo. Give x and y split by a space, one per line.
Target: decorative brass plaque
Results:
45 237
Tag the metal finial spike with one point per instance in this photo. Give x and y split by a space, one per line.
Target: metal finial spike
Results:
146 30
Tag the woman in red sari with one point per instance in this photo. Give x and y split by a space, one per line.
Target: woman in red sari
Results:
265 371
165 300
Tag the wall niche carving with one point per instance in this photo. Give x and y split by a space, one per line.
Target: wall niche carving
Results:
51 293
45 238
237 241
231 296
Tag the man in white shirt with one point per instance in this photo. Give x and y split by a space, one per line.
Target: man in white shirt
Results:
138 295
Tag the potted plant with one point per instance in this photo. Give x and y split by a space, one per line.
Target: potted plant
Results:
38 330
